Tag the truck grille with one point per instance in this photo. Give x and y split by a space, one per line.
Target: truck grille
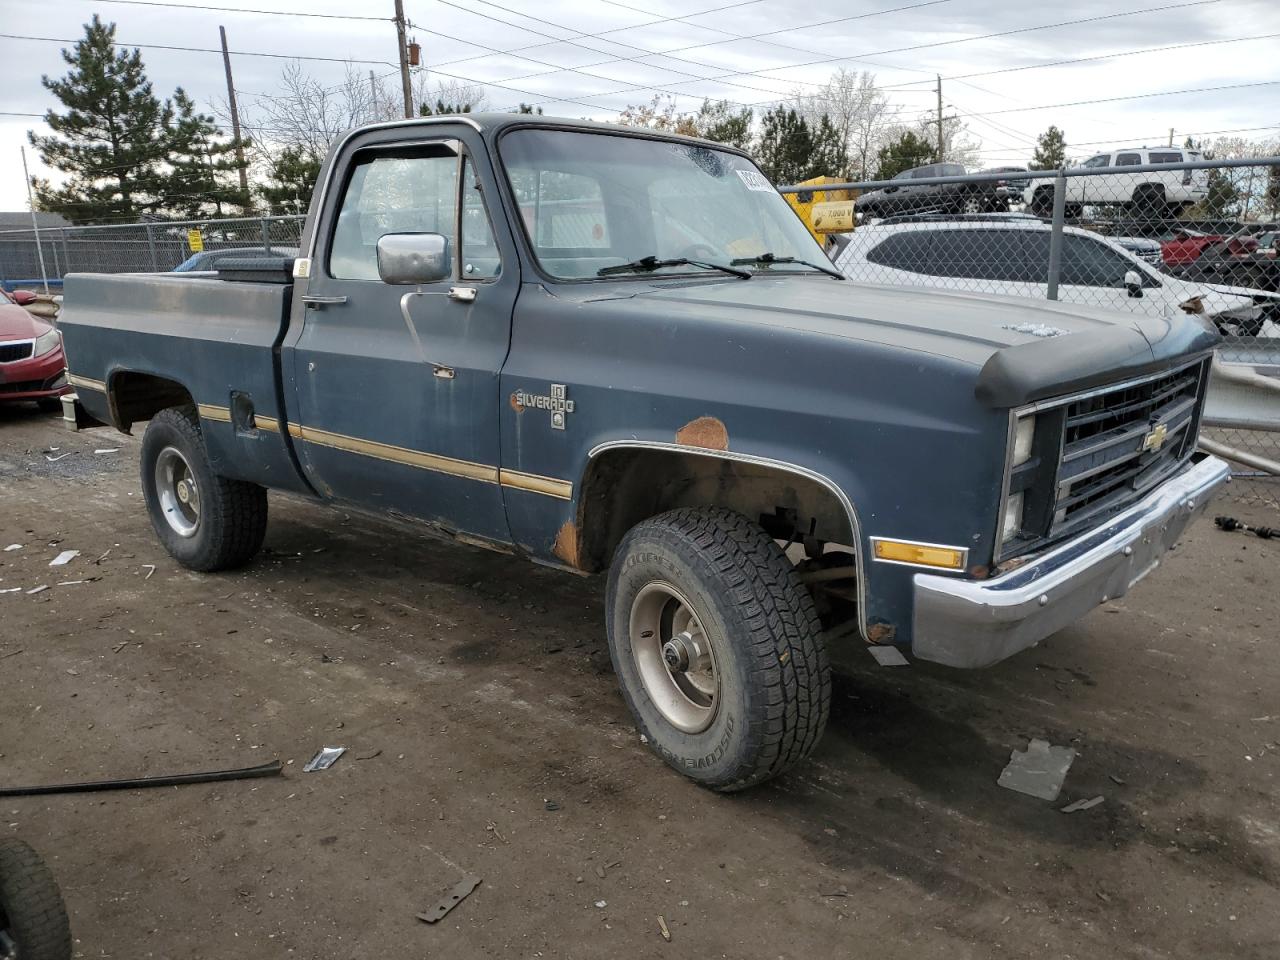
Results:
1120 443
11 352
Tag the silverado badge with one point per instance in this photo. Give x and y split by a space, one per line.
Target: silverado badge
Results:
558 403
1154 440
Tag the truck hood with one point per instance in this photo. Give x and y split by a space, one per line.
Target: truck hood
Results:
1038 349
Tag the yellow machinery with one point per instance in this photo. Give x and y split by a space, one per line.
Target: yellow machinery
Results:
823 211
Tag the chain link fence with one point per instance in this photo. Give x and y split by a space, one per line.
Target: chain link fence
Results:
1155 231
152 247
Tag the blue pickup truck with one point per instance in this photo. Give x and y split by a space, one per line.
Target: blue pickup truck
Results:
613 350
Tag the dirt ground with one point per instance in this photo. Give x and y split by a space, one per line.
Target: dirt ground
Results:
485 736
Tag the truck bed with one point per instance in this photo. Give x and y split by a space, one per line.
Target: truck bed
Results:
132 337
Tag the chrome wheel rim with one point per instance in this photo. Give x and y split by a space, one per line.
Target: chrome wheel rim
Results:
674 657
177 492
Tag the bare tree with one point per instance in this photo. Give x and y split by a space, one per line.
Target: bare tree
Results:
857 108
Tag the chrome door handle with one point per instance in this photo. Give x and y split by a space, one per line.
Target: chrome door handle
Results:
462 294
313 301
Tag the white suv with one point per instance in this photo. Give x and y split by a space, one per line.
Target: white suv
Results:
1010 255
1153 192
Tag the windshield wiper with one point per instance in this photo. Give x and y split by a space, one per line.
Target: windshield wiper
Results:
651 263
764 259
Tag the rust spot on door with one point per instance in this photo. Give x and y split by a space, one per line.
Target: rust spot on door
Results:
881 632
705 432
516 405
566 545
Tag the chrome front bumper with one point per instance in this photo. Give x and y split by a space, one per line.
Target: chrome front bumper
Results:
975 623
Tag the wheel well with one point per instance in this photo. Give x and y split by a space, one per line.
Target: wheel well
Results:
1149 190
140 396
627 485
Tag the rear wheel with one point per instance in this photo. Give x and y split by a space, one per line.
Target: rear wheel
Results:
1149 203
205 521
717 647
33 918
1042 201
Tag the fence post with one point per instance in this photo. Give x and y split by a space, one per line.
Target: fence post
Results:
151 245
1055 235
266 235
66 254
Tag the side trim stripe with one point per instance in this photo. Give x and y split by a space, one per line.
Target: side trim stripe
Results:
211 412
548 486
86 383
269 424
414 458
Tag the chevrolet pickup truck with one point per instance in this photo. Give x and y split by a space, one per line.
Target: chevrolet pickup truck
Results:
613 350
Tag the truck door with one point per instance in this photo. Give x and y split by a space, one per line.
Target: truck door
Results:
394 412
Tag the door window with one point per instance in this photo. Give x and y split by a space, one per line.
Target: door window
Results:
1089 263
1101 160
1174 157
393 193
480 259
904 251
1129 160
980 255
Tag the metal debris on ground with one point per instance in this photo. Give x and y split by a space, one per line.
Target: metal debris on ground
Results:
601 904
61 456
65 557
10 590
1082 805
40 589
493 828
600 871
324 759
108 450
450 900
370 755
551 805
888 656
104 556
150 568
13 546
11 653
271 769
1037 771
1228 524
662 929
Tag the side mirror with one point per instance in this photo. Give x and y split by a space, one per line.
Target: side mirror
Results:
23 297
1133 283
410 258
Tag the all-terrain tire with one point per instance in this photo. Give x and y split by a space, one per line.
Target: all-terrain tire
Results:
31 909
774 679
232 516
1042 201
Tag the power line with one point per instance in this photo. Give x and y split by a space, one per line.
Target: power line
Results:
1092 59
1133 96
274 13
238 53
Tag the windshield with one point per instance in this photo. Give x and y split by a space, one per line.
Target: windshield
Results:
591 201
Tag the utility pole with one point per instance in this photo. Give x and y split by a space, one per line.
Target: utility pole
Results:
35 222
940 144
404 60
235 113
1171 136
373 92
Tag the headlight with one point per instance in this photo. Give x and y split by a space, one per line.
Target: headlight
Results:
1011 523
1022 437
47 343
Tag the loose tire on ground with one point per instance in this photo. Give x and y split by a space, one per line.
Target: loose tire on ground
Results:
714 588
205 521
32 914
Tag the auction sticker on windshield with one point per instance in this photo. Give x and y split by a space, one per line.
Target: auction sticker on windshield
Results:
755 180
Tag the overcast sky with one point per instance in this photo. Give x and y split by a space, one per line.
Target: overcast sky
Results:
593 58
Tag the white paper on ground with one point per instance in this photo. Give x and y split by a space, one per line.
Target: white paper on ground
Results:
65 557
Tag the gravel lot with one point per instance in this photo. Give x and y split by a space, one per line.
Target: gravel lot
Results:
485 735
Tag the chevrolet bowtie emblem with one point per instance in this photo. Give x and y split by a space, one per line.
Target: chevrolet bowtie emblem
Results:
1155 439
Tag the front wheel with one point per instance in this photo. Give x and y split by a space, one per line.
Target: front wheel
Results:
717 646
205 521
33 918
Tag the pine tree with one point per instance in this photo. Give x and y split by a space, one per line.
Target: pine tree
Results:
903 153
830 156
294 172
1051 150
525 108
201 177
111 138
442 108
718 121
785 151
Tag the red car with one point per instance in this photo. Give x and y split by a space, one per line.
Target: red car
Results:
1187 245
32 365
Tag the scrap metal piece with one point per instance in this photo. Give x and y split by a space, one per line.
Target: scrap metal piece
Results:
324 759
887 655
450 900
1082 805
1037 771
65 557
